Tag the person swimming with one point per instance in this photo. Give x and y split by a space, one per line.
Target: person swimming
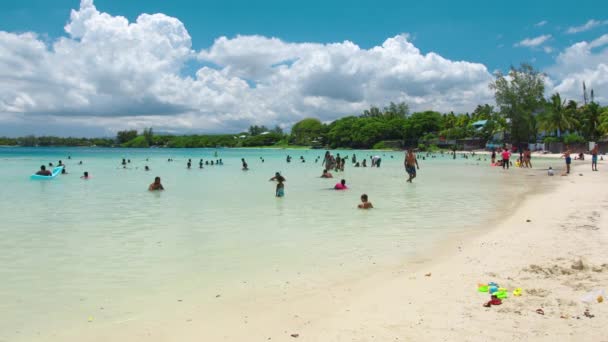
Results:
341 185
146 168
43 171
156 186
200 164
85 175
326 174
365 204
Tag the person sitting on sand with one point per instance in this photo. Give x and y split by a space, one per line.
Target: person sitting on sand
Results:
357 164
341 185
327 174
550 171
85 175
365 204
43 171
156 186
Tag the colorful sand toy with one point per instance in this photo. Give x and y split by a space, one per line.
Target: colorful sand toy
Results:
517 292
482 287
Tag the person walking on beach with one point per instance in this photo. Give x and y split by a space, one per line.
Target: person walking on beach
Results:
505 158
594 157
493 156
568 159
156 186
411 164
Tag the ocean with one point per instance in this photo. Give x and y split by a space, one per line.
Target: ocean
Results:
75 252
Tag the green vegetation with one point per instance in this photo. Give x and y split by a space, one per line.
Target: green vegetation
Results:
522 116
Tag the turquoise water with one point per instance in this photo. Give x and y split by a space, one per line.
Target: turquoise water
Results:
70 246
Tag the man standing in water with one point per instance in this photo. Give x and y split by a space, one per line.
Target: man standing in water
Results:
411 164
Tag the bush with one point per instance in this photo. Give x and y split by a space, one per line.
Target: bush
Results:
379 146
573 138
551 140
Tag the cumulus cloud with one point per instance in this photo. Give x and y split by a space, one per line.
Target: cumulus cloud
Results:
582 62
591 24
110 73
534 42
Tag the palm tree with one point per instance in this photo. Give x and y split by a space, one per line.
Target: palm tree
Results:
591 120
556 117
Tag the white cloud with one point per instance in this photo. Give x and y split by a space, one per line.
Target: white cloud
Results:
111 73
534 42
591 24
582 62
547 49
541 23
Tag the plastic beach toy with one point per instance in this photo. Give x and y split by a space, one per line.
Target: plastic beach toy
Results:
482 288
493 289
501 293
517 292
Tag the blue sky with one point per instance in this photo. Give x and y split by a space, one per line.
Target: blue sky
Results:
491 33
481 31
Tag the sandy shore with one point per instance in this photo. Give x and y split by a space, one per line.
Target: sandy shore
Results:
554 246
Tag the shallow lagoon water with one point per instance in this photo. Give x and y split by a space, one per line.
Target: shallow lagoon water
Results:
70 246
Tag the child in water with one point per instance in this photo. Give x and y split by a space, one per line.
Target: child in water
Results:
365 204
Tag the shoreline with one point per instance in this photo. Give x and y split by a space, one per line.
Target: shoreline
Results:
401 303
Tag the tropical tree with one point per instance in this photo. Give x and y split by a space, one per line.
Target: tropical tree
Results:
590 115
306 131
556 117
125 136
519 96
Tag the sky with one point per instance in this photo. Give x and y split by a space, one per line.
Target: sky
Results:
91 68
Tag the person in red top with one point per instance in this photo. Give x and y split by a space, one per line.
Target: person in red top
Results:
505 158
341 185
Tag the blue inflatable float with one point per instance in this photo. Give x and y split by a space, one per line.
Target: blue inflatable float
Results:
54 174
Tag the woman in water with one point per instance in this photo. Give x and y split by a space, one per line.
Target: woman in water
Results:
341 185
280 189
156 186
